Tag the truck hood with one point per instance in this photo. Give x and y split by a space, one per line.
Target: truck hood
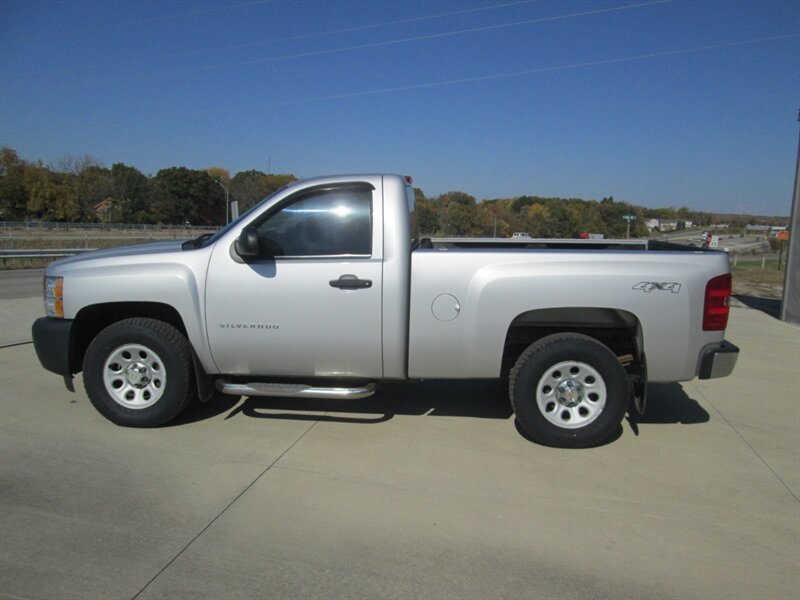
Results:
134 250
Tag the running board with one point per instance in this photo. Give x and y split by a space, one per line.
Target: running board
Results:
294 390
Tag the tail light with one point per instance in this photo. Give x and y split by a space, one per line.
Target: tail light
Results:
717 303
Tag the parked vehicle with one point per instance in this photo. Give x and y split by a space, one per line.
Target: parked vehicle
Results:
325 289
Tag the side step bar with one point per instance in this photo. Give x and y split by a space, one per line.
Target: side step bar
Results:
294 390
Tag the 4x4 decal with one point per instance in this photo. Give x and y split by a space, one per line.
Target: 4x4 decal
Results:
663 286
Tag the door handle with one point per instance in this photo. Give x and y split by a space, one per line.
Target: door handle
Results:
351 282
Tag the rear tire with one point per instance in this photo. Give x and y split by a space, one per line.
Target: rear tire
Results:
569 391
138 372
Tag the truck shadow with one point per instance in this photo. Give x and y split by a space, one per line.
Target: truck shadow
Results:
770 306
668 403
486 399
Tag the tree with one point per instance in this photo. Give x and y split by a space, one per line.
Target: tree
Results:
13 193
458 214
131 195
220 174
74 165
184 195
249 187
50 195
427 217
538 222
93 185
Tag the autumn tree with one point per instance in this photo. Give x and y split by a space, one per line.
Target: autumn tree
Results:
427 216
13 193
249 187
538 220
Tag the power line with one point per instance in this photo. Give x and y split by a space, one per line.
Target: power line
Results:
432 36
539 71
306 36
430 85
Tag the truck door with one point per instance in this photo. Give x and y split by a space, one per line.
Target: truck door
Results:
310 302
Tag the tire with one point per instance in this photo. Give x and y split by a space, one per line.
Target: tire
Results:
569 391
138 372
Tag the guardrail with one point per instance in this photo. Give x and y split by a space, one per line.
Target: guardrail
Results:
37 253
6 254
54 225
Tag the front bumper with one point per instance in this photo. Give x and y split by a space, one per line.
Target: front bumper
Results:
51 339
718 360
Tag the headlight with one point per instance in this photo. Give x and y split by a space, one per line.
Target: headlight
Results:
54 296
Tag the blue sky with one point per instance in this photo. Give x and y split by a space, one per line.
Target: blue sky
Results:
657 103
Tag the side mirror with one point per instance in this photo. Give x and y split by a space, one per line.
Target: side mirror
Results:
247 244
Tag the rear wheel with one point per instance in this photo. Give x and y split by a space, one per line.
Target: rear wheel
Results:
137 372
568 390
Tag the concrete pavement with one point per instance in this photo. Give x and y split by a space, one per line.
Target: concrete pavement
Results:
424 490
20 304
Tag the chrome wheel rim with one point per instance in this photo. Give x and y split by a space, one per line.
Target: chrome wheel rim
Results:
134 376
571 394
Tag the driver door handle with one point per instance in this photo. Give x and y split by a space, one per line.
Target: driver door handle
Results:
351 282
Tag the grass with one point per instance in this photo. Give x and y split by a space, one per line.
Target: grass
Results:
751 280
751 271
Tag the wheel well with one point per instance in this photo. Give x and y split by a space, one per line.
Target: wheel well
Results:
91 320
618 329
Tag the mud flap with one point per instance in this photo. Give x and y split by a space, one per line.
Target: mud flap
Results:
205 383
640 389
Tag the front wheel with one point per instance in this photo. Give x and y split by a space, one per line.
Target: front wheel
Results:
137 372
568 390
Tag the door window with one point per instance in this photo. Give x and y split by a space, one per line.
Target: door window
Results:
324 223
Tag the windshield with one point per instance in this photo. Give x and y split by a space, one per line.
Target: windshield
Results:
233 224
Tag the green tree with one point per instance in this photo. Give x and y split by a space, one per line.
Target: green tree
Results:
184 195
93 185
131 195
458 214
539 221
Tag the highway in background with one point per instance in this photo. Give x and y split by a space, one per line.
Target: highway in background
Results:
22 283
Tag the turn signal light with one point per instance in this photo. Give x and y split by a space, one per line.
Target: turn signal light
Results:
54 296
717 303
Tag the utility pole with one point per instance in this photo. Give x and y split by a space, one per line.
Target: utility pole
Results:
790 307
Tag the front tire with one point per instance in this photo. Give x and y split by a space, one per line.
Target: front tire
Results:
569 391
138 372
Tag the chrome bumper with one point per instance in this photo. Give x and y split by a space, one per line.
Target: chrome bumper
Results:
718 360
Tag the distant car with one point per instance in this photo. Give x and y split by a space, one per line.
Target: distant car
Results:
520 234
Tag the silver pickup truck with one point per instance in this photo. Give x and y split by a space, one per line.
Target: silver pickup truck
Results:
325 288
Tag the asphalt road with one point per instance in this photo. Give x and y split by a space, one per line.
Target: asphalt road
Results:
425 490
22 283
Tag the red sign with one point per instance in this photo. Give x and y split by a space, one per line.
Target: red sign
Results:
782 235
